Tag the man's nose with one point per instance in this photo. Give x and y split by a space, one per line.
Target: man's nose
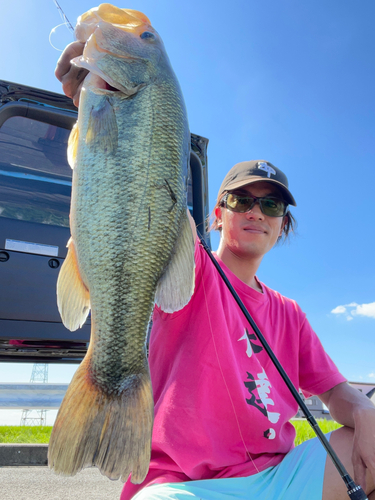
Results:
255 212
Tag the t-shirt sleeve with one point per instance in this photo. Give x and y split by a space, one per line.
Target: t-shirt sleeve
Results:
317 371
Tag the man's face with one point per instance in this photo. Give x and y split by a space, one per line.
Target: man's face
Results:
250 234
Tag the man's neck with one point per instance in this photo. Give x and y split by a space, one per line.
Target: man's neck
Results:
244 268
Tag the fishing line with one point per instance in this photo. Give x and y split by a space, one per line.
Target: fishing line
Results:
66 23
53 30
354 491
222 374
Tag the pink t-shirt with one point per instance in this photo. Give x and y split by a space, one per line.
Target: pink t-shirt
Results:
221 408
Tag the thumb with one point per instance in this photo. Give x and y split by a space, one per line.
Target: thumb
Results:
359 470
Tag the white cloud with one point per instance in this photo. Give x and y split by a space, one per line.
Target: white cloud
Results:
371 375
339 310
367 310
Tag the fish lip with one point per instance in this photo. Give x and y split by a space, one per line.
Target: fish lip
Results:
95 78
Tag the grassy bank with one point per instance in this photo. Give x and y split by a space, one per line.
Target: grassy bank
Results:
24 434
37 434
305 432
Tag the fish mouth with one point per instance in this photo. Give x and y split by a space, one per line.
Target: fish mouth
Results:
97 80
100 83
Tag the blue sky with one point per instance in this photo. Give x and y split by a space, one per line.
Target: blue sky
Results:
284 80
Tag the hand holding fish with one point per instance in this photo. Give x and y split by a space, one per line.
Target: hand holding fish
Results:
70 75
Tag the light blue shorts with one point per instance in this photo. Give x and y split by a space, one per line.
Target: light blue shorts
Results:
298 477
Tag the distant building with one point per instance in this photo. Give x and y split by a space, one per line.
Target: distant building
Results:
368 388
316 407
319 410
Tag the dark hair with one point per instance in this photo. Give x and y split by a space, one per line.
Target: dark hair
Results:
290 225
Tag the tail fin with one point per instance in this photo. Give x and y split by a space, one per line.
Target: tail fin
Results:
111 432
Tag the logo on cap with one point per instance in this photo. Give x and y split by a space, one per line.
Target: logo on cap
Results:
262 165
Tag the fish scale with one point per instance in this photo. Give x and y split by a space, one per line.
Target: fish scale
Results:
131 242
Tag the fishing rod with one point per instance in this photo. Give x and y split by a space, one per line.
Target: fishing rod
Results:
355 491
63 16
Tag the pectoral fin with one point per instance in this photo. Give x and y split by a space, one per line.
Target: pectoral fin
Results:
176 285
102 128
73 298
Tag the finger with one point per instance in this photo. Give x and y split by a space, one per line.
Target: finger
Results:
77 94
70 75
359 471
64 65
72 83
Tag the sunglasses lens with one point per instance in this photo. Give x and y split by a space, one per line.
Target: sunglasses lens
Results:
238 203
272 207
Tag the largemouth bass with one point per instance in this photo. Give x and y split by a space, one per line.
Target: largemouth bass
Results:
131 243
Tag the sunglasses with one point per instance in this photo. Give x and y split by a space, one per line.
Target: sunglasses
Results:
273 207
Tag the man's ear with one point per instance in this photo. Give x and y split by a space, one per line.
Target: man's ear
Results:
285 221
218 216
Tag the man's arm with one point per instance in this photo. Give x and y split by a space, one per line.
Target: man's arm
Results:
352 408
346 403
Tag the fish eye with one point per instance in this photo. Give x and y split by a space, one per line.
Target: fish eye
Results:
148 35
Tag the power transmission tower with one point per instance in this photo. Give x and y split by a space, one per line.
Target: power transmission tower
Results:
36 417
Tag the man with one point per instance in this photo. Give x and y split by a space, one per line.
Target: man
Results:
221 410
